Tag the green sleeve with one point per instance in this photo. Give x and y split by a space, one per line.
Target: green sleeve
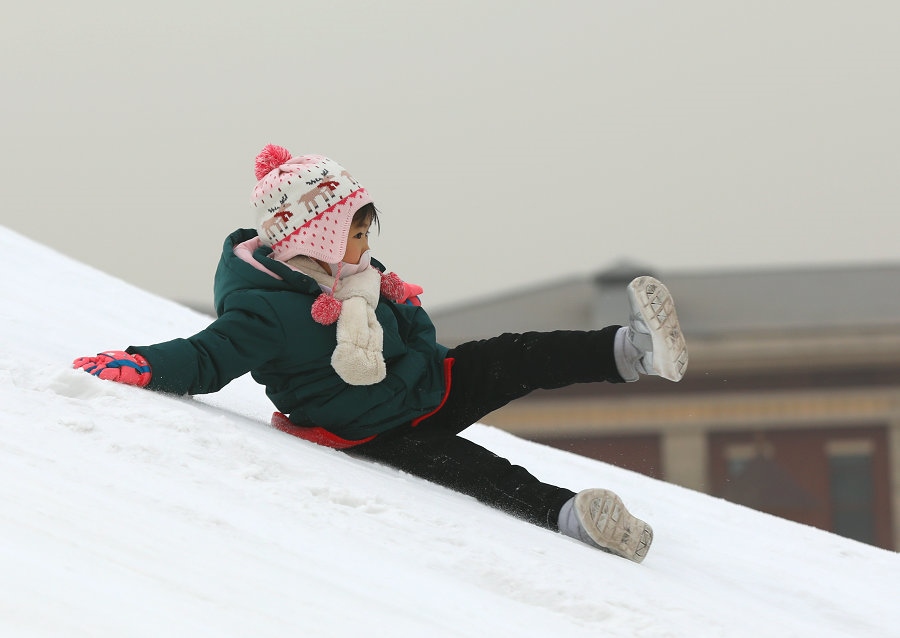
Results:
238 341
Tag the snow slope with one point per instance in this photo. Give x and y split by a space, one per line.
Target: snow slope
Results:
128 513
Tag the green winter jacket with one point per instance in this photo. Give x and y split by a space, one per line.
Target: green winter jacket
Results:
264 326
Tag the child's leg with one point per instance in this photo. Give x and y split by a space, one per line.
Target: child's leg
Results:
488 374
470 469
485 376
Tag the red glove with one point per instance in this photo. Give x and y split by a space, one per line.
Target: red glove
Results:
411 294
115 365
399 291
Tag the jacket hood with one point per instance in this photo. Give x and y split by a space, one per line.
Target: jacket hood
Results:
234 274
259 271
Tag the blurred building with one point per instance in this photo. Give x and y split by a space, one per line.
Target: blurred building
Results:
791 402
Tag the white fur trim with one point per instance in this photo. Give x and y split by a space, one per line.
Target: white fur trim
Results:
358 357
365 284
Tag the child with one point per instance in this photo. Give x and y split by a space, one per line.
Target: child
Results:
350 356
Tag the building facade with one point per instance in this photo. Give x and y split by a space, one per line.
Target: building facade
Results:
791 401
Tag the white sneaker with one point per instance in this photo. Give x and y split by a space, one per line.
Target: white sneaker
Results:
610 526
655 333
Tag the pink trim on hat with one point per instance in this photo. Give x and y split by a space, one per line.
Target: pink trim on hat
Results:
329 241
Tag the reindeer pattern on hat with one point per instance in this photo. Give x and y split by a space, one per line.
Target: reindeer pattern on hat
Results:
323 187
303 204
279 222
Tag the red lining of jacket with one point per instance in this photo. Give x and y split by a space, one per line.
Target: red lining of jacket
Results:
321 436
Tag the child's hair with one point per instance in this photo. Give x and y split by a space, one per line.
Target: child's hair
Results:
367 212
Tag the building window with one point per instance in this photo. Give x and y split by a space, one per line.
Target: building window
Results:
851 489
739 455
756 479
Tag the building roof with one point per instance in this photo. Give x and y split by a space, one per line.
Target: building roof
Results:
724 314
708 303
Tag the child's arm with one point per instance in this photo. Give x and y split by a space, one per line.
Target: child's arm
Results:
233 344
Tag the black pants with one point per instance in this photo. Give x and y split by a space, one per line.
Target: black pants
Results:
487 375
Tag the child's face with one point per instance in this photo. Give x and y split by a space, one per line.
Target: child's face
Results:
358 241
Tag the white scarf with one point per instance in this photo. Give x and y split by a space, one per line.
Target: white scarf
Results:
358 357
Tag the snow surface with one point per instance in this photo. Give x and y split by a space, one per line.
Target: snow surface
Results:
129 513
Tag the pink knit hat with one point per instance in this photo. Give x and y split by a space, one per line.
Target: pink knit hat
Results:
305 204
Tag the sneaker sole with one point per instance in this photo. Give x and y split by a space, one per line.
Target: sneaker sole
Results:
611 526
653 300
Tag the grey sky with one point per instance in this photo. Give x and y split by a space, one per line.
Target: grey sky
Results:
506 143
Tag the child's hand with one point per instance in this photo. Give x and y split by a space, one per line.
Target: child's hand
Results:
399 291
118 366
411 294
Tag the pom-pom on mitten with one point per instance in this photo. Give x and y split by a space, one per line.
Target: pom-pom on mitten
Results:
392 286
118 366
270 158
398 290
